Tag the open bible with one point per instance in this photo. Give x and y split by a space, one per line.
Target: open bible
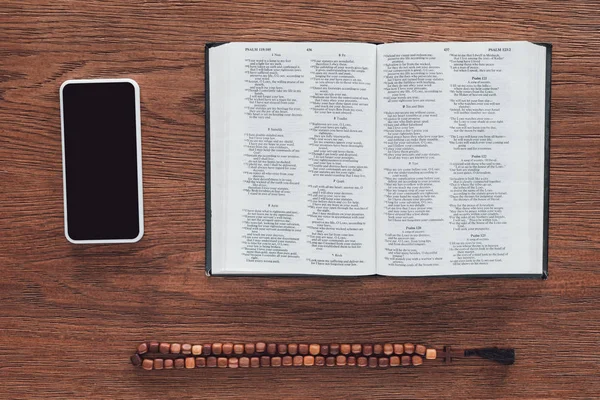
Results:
403 159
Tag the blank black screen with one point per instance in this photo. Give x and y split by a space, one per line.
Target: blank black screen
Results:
101 160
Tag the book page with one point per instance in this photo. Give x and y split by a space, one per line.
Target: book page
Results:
460 162
292 130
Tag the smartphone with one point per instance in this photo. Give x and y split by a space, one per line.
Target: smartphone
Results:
102 160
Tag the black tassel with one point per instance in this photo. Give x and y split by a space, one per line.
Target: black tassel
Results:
502 356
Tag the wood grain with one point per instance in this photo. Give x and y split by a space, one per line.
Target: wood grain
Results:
70 316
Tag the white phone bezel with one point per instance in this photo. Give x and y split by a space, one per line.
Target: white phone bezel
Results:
138 129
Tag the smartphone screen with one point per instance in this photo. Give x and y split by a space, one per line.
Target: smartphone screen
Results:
102 161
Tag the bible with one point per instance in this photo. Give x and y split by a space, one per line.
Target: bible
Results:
398 159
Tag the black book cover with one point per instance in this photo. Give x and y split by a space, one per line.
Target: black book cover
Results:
208 210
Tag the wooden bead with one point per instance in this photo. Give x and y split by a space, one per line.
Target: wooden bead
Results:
271 348
168 363
377 349
265 361
175 348
206 349
362 361
334 349
227 348
394 361
179 363
384 362
319 361
287 361
233 362
388 349
368 349
249 348
417 360
211 362
276 361
345 349
197 349
351 361
153 348
409 348
292 349
340 360
238 348
324 349
244 362
254 362
136 360
200 362
186 349
420 349
164 348
217 348
330 361
222 362
303 349
282 349
261 347
309 361
298 360
142 348
159 363
190 362
147 364
405 361
356 348
398 349
431 354
314 349
373 362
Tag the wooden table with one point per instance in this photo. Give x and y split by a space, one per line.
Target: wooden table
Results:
70 316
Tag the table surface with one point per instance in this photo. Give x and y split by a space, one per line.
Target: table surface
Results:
70 315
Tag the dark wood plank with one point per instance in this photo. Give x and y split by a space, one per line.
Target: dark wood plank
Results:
70 316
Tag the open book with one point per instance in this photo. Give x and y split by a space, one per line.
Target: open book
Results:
404 159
